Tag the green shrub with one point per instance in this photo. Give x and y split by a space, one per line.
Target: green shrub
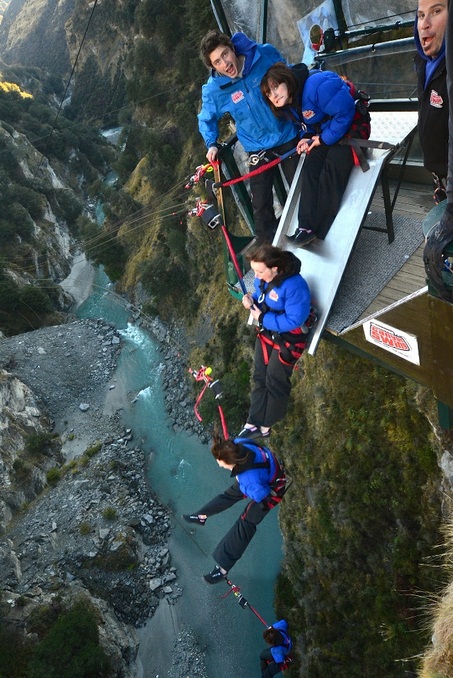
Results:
35 443
94 449
85 528
53 475
109 513
71 648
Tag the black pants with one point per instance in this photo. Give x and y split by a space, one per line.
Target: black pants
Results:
269 668
325 175
261 189
232 546
270 395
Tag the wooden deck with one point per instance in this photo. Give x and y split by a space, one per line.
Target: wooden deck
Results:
415 200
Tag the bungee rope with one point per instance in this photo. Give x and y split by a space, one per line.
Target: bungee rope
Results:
236 591
204 375
244 603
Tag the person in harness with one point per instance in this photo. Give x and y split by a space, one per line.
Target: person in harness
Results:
260 477
325 110
277 655
280 304
236 67
432 91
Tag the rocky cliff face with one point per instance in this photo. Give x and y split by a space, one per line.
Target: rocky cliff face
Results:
33 34
19 417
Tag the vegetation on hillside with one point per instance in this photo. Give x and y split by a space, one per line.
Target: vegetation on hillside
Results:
63 643
361 521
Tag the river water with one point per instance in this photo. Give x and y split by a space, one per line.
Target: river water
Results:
183 474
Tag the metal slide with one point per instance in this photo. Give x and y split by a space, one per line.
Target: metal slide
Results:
324 261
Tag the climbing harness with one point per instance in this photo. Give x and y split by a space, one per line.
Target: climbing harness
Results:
204 375
244 603
254 159
200 171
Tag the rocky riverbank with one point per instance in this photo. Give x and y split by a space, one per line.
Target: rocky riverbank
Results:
96 529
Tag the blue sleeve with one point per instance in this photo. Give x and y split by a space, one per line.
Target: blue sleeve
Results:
296 308
336 101
208 118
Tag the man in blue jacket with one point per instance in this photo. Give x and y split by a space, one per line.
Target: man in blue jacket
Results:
237 67
258 477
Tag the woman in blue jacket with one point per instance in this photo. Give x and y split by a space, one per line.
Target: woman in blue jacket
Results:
259 477
324 108
280 304
280 644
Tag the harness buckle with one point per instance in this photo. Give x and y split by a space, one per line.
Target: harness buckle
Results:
255 158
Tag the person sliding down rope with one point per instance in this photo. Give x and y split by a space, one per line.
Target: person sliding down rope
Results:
261 478
276 657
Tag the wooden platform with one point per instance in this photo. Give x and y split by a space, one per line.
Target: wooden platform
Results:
414 200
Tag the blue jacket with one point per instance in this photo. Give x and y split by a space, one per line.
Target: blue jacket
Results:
289 303
256 126
255 482
280 652
325 104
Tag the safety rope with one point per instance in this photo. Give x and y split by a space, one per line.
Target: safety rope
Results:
258 170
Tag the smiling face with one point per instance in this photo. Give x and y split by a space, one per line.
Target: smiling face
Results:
278 94
431 24
225 61
262 272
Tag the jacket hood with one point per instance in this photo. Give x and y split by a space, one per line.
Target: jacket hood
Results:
243 46
301 72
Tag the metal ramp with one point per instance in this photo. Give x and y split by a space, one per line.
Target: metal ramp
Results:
324 261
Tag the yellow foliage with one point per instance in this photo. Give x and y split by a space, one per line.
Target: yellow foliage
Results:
12 87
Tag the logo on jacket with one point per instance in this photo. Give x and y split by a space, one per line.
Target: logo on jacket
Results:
236 97
308 114
273 295
435 99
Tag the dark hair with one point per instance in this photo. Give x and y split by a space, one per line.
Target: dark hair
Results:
228 451
210 42
277 74
272 636
272 256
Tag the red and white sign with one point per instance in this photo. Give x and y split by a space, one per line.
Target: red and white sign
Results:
393 340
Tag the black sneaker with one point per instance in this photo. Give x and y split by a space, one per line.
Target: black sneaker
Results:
303 237
299 231
215 576
194 519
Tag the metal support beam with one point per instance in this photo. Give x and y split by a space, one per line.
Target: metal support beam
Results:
220 17
263 22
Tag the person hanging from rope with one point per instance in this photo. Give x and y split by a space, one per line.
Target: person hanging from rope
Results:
275 656
280 304
259 476
322 104
433 110
237 65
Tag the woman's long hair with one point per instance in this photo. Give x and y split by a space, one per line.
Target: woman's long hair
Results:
228 451
276 75
272 256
